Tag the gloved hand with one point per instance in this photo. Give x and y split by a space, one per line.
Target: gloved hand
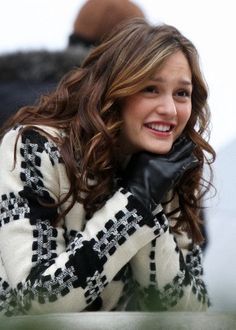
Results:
150 176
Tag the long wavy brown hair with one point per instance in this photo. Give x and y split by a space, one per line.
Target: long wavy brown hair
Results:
86 106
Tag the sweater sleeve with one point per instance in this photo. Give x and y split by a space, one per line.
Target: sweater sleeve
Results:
43 271
168 273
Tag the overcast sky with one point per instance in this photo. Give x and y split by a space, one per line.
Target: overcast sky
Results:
211 25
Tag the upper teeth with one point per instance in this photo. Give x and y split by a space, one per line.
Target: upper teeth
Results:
158 127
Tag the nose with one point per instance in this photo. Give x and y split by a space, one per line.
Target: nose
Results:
167 106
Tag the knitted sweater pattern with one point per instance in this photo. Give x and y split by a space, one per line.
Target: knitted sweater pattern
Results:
121 259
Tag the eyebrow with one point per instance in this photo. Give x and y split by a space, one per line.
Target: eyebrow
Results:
182 81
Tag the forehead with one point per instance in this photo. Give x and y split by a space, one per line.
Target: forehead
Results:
176 64
177 59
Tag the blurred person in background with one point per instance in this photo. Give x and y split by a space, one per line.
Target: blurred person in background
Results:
24 76
101 182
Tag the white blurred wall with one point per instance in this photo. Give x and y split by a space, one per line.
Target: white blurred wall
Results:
220 258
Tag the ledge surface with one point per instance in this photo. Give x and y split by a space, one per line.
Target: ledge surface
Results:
123 321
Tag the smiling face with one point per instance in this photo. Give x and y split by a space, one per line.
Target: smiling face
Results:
156 116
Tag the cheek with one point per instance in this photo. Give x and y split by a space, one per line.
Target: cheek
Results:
184 116
131 113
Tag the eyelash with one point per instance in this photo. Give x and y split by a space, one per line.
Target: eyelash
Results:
154 89
187 93
151 89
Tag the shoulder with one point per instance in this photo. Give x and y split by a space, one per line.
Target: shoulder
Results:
8 141
36 133
32 140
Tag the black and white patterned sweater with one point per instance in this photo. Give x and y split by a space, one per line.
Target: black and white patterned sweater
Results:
121 259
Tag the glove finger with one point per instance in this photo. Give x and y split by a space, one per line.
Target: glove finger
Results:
194 163
186 165
189 162
180 150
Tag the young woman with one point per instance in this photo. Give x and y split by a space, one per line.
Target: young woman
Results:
101 182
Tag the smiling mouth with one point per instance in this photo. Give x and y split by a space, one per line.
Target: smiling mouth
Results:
162 128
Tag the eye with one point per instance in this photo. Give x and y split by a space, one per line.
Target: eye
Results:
183 93
151 89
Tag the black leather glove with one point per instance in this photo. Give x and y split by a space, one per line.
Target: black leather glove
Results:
150 176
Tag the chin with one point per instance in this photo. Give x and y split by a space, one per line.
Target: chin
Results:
158 147
160 150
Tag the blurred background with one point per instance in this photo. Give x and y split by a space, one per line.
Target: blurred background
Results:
45 27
